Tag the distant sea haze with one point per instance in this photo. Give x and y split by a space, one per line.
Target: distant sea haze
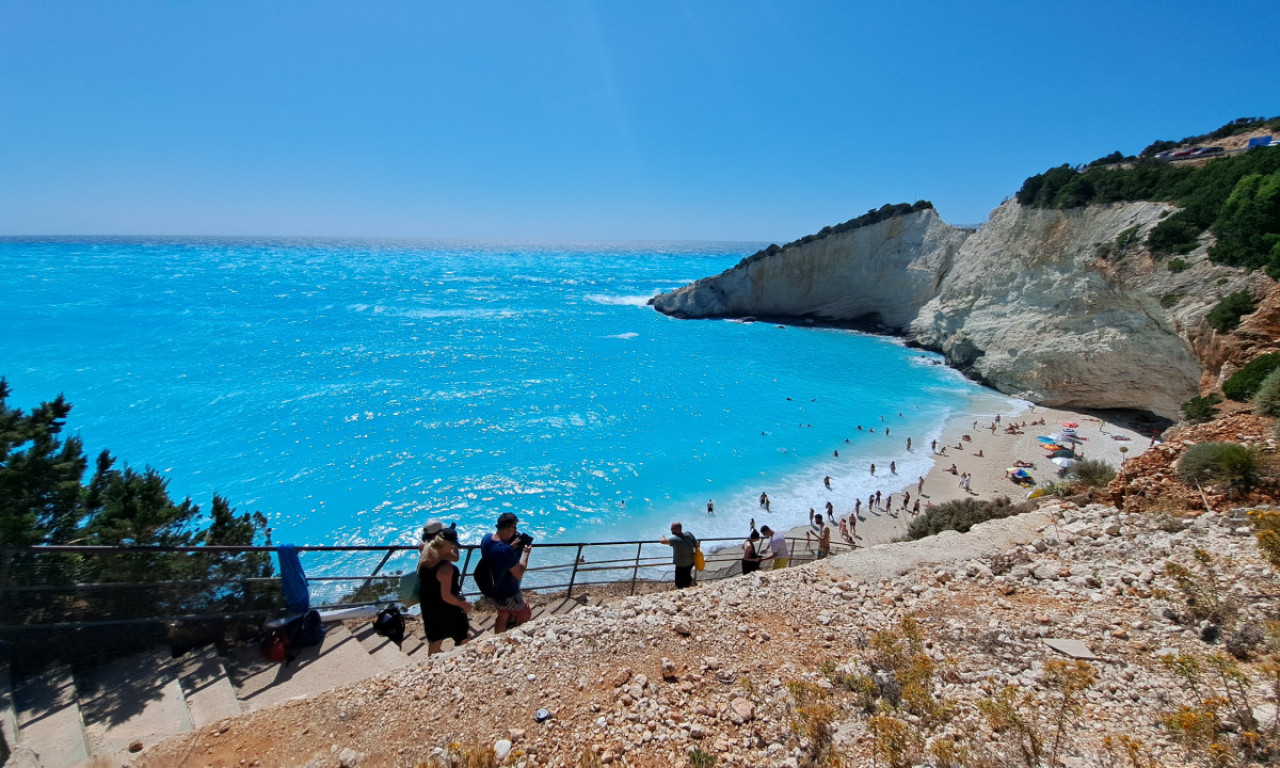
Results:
350 390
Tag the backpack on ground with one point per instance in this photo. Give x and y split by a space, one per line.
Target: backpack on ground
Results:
305 630
283 642
483 577
389 623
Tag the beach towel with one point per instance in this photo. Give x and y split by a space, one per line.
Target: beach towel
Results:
293 579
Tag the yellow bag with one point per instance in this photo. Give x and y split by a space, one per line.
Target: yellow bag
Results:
699 562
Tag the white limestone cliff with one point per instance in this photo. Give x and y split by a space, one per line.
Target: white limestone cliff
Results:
1025 304
884 272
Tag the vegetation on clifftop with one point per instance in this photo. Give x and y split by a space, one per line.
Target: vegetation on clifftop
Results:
1237 198
873 216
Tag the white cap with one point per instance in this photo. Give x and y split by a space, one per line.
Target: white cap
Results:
431 529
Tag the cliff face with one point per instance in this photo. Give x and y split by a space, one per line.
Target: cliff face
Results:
881 273
1041 304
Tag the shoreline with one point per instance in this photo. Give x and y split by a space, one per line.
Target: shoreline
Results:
1103 439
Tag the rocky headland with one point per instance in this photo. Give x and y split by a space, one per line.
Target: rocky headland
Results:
1027 303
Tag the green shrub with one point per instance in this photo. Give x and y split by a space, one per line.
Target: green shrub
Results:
1170 299
1176 234
1178 265
1237 197
1242 386
1266 400
1093 473
962 514
1199 409
1225 317
1229 463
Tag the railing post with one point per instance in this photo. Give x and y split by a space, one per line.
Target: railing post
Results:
462 578
390 551
573 575
636 569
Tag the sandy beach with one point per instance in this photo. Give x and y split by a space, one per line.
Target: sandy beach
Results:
986 456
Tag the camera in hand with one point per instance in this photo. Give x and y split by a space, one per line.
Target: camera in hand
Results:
522 540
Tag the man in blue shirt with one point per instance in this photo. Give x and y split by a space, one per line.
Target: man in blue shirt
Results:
508 564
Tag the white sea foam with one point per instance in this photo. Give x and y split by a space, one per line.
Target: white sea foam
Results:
618 301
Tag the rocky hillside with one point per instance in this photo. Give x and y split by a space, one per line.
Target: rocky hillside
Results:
1062 307
1088 636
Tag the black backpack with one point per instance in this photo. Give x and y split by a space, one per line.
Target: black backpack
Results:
305 630
390 624
483 576
299 632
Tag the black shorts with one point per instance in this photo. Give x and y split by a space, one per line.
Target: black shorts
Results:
449 622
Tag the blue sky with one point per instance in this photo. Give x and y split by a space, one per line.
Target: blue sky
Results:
548 120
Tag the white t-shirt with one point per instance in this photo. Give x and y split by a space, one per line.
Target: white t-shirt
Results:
778 545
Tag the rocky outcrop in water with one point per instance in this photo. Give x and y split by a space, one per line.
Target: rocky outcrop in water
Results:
1062 307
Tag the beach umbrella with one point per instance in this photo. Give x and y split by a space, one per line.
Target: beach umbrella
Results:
1070 424
1063 453
1017 472
1063 462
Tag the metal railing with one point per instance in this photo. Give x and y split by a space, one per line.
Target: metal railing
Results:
339 576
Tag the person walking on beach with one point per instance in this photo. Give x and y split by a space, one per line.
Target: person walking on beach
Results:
683 545
915 508
857 508
920 485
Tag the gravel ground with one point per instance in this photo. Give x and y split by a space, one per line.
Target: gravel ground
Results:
771 669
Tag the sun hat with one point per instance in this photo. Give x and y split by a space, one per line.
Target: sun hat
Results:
430 530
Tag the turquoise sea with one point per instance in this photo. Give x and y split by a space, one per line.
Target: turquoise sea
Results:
350 390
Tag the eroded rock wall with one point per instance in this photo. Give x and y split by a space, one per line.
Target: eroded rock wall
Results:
1038 303
884 272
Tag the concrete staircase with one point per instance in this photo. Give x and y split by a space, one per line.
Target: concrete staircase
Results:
59 718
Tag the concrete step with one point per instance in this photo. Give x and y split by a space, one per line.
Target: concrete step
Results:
208 691
339 660
134 699
388 655
12 754
48 718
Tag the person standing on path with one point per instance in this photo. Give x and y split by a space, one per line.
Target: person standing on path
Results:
507 565
778 551
751 553
824 538
444 609
683 545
